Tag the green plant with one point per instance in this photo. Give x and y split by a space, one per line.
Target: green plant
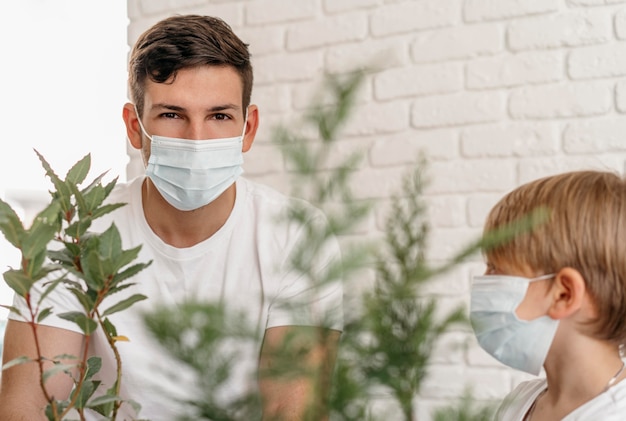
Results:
388 343
91 266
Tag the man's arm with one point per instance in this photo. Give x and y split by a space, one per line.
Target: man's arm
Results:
21 397
295 372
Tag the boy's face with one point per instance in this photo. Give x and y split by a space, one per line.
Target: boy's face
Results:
536 301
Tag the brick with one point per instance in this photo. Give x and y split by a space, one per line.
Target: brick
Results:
598 61
471 176
457 43
337 6
272 98
287 67
377 183
481 10
563 100
446 244
263 40
442 381
594 136
373 54
378 118
304 93
531 169
593 2
404 148
514 70
414 16
620 96
494 380
620 24
233 15
449 348
479 206
263 159
418 80
446 212
508 140
327 31
457 109
275 11
559 30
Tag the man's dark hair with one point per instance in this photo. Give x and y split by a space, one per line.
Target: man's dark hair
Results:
180 42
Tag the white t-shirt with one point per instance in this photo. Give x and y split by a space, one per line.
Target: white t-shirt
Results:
607 406
242 265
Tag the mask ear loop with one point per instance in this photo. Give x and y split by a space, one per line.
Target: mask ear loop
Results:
245 124
141 124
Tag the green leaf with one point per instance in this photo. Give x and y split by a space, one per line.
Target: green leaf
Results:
63 192
110 243
79 171
57 368
13 310
49 288
92 200
109 328
11 225
43 314
129 272
103 210
87 325
103 404
124 304
18 282
84 299
94 271
84 393
94 364
16 361
61 256
35 263
79 228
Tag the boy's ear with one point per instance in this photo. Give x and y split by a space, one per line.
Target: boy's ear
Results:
568 292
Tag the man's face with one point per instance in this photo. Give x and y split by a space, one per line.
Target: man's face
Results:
200 103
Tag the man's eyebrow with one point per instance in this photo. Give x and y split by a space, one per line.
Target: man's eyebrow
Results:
168 107
220 107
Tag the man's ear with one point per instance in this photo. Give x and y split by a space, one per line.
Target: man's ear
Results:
133 130
568 291
252 124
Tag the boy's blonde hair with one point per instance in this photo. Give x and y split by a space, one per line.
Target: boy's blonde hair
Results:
585 230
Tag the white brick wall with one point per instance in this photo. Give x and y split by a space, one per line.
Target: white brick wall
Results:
494 92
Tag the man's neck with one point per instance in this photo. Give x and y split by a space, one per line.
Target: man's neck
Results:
185 228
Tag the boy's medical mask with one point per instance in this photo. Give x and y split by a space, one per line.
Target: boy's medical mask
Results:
519 344
190 174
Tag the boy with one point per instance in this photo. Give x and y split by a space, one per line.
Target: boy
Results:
556 297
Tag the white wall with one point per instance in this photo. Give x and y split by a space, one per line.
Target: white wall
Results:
63 88
495 92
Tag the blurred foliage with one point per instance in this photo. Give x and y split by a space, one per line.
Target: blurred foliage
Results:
387 344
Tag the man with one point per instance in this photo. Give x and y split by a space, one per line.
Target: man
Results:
210 234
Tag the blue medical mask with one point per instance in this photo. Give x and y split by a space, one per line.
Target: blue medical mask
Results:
190 174
520 344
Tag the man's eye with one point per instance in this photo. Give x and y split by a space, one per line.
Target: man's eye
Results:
220 116
169 115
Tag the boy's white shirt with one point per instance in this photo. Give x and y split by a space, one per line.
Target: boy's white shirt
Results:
607 406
